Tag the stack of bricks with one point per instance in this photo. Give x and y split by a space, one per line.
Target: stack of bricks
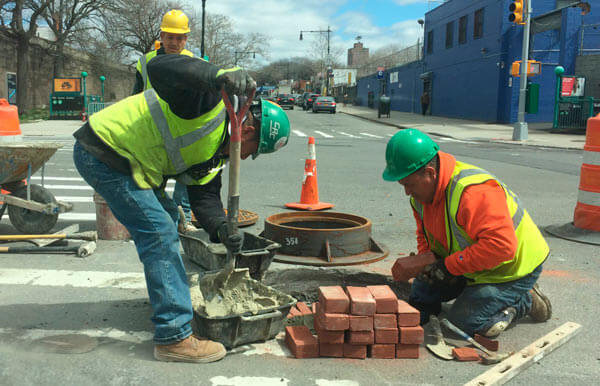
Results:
358 322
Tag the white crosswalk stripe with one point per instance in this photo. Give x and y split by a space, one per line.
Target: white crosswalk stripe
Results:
298 133
323 134
371 135
348 135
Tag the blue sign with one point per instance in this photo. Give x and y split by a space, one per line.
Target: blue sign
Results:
379 74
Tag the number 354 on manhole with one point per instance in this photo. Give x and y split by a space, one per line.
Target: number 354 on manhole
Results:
289 241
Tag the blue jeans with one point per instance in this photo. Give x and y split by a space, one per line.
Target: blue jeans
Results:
150 216
475 305
180 196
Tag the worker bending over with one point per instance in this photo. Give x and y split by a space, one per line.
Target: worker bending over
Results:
178 129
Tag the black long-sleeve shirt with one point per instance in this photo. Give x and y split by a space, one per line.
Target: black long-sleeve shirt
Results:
188 85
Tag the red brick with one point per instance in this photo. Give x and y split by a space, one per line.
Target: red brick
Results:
488 343
360 337
314 307
361 323
407 351
301 342
408 267
361 301
355 351
386 335
408 316
293 312
332 322
385 321
334 300
330 337
303 308
465 354
331 350
411 335
382 351
385 299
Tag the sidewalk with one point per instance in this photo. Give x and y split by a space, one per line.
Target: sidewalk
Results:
54 128
539 134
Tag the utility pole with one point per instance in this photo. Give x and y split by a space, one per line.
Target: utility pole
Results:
327 60
520 130
203 21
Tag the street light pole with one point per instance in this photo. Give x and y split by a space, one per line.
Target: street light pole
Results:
203 21
520 130
328 61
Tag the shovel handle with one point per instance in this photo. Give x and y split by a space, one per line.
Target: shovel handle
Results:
466 337
437 330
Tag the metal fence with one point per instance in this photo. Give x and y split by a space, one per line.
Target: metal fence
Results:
573 113
588 39
395 59
94 107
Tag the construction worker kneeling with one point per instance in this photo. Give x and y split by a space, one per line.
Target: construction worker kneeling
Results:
177 129
488 251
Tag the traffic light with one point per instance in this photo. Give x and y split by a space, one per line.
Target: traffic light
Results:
516 9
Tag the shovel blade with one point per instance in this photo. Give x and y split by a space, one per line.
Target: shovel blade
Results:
441 350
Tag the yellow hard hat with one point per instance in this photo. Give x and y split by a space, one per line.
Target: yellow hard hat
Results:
175 22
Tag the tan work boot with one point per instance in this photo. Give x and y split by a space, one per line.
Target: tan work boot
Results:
191 349
541 308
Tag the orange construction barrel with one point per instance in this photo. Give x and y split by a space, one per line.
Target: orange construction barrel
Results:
109 228
587 210
10 130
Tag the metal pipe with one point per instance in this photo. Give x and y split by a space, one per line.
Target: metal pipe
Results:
520 131
203 21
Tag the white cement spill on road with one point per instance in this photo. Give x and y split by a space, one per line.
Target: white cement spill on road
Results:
112 333
60 278
340 382
371 135
270 347
323 134
248 381
299 133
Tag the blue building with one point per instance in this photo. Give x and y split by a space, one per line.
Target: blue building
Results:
467 56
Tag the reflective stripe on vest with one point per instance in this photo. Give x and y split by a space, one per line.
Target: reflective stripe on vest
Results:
173 146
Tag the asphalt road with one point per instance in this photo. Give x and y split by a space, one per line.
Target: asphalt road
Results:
103 296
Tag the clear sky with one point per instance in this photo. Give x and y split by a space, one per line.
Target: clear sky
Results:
379 22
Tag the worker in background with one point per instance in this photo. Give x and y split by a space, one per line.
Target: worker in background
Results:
488 251
173 37
178 129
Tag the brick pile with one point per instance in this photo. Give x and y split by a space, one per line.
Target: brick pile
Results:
357 322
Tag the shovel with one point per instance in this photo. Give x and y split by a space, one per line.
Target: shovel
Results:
211 282
440 349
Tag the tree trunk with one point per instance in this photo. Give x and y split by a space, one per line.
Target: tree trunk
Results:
59 60
22 72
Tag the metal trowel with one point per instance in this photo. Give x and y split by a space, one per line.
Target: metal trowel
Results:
440 348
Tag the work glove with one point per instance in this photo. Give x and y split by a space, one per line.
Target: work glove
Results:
436 274
233 242
236 81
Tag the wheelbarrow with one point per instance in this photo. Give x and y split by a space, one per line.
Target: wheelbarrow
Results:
32 209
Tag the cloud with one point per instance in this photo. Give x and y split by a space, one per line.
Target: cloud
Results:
408 2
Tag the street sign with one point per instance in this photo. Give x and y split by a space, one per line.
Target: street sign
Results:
380 72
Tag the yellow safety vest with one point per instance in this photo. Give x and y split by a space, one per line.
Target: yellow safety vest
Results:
142 65
157 143
532 249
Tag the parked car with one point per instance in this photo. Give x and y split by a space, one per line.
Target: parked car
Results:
324 103
285 100
308 100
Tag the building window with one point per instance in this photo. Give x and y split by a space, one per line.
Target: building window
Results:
462 30
449 34
478 24
430 42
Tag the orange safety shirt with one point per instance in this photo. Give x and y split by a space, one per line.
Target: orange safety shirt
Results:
482 213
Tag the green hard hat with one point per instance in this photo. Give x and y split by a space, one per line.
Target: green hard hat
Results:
274 128
406 152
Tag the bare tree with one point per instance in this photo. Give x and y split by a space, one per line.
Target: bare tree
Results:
18 21
66 18
222 42
134 25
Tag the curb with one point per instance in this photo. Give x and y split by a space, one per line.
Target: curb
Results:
505 141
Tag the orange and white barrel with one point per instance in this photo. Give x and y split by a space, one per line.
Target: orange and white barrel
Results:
587 210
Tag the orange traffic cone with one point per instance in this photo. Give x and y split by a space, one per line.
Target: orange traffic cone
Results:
585 227
10 131
587 210
309 197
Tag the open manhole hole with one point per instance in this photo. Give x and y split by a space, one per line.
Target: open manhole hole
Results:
323 239
303 282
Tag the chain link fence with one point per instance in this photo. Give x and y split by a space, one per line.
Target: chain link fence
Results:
395 59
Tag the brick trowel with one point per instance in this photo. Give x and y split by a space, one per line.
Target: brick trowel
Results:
440 348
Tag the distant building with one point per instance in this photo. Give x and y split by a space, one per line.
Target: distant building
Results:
45 32
357 55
